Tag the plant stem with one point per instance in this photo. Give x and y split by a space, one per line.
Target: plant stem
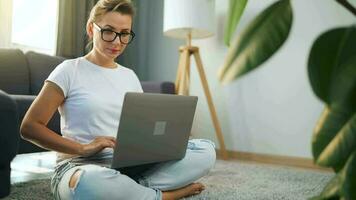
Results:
348 6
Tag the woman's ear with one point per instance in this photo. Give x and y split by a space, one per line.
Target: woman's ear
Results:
90 30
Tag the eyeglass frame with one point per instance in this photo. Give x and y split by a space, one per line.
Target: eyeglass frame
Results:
116 34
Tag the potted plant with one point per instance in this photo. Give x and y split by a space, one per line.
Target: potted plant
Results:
332 75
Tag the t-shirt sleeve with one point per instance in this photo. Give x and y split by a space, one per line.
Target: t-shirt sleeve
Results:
137 83
62 76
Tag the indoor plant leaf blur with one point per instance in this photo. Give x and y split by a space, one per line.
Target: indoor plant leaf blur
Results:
328 126
332 75
336 153
330 67
236 8
258 42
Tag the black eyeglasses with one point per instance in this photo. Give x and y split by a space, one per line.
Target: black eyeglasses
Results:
109 35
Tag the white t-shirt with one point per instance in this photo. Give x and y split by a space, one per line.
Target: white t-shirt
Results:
93 97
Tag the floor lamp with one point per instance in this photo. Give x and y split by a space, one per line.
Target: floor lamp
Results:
192 19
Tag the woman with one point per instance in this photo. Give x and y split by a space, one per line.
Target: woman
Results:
88 92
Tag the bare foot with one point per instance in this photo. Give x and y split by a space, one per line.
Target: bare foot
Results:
189 190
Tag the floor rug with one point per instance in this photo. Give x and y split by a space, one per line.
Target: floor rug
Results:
227 180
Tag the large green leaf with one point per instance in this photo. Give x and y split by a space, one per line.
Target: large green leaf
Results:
258 42
349 178
342 101
341 147
343 87
236 8
332 73
330 123
332 67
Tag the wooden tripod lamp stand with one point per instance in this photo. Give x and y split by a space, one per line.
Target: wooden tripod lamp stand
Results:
188 19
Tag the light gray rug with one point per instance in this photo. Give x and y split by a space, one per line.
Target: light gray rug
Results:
228 180
242 180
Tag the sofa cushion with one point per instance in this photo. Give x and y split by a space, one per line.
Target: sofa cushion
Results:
158 87
40 66
14 73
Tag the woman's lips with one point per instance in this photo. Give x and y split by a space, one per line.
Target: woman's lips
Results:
114 51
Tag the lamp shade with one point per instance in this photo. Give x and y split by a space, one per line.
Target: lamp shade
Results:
182 17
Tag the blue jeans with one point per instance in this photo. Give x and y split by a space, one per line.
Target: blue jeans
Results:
97 182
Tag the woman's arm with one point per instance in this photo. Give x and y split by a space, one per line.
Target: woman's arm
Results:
34 129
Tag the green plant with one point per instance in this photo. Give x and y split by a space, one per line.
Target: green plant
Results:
332 75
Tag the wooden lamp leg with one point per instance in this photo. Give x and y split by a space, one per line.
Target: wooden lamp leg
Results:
210 104
183 80
179 72
187 73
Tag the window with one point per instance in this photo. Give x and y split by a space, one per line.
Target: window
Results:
34 25
5 23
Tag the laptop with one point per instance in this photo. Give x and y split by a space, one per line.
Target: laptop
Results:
153 128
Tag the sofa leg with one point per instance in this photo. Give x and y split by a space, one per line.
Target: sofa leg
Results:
5 180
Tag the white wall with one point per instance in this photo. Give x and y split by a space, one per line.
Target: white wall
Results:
271 110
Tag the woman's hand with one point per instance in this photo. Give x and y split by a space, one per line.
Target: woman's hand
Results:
98 144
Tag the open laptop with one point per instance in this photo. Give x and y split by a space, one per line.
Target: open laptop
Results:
153 128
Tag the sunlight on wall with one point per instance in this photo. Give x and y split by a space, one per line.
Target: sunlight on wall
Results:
5 21
34 24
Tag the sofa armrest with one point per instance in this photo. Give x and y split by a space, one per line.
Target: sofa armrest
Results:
9 136
9 139
23 103
158 87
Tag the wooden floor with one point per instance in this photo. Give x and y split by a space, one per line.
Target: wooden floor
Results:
26 167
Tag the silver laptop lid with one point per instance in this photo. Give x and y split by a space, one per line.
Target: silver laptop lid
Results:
153 128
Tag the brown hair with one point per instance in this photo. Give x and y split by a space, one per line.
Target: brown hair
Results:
104 6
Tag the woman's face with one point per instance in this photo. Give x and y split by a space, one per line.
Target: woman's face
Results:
113 21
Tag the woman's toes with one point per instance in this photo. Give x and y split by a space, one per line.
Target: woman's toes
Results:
199 187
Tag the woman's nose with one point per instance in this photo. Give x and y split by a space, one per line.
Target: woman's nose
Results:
117 40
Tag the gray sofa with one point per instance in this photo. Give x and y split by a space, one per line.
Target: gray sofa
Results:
21 79
8 139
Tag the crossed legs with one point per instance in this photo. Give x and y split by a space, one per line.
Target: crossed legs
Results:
169 180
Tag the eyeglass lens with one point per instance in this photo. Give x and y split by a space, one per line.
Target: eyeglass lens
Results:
110 36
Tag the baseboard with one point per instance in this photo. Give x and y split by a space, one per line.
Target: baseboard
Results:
273 159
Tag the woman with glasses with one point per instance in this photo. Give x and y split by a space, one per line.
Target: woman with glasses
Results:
88 92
